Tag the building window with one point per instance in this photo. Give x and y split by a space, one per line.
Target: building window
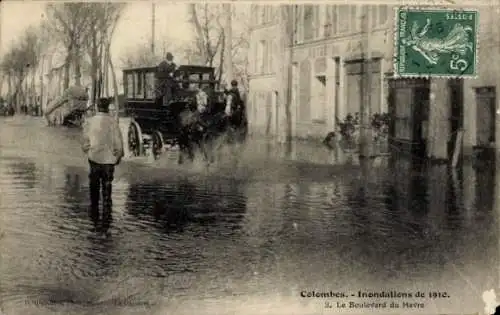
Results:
150 85
379 15
311 22
343 14
318 98
383 13
253 8
331 20
308 22
130 85
354 72
255 58
265 63
353 88
300 23
317 21
296 19
373 10
264 14
139 88
305 74
260 57
354 19
272 68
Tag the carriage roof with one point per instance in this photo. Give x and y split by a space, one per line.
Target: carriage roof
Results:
185 68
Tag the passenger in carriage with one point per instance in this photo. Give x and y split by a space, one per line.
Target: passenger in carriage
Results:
201 100
234 101
201 103
165 77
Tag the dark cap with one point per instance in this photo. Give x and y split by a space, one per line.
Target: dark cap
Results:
170 57
103 104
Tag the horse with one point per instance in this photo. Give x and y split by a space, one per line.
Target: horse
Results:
192 124
203 123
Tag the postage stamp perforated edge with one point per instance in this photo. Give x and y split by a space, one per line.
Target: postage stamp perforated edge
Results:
423 75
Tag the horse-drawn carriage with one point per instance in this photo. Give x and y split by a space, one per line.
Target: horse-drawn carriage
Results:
158 122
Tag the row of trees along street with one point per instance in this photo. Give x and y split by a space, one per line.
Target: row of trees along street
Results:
82 32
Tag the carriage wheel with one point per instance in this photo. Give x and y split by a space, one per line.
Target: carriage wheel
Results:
157 144
134 139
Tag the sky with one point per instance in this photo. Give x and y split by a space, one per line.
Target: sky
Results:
133 29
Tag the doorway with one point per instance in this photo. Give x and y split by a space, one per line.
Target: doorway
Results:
408 102
485 117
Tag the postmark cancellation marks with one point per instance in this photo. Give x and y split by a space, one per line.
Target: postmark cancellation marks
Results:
434 42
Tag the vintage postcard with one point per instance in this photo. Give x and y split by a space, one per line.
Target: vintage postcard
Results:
249 157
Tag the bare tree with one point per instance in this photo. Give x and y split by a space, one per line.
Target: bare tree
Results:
70 23
211 43
239 47
19 61
104 17
206 20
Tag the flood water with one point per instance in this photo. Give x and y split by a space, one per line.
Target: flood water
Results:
244 240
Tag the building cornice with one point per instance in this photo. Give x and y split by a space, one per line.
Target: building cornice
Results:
340 37
261 76
262 26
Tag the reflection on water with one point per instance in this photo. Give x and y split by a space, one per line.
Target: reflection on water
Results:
183 239
172 206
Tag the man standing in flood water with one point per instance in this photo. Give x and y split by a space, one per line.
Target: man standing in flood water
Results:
102 141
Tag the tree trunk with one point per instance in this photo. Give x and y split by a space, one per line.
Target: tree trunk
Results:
115 86
222 57
78 66
33 88
94 63
67 67
228 43
2 80
98 85
18 93
26 94
199 31
106 76
9 82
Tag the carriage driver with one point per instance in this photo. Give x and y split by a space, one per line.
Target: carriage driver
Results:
165 76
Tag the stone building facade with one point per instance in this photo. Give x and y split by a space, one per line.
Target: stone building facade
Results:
329 46
326 64
263 67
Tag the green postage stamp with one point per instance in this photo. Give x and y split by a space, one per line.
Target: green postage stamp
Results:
435 43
